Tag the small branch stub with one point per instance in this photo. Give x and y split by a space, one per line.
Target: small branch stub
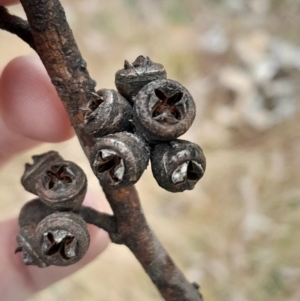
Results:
178 165
16 26
163 110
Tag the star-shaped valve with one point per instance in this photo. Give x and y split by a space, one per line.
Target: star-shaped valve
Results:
167 109
110 162
190 171
58 175
59 242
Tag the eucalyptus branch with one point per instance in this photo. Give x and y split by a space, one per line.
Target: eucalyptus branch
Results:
117 159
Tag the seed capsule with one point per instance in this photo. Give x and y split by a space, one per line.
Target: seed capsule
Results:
62 238
178 165
119 160
63 186
108 112
60 184
34 171
130 80
33 212
28 247
163 110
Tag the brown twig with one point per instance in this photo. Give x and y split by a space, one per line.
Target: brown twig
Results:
134 232
55 44
17 26
101 220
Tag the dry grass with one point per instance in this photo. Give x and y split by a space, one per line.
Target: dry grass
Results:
237 232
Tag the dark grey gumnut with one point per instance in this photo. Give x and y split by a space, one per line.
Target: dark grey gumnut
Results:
119 160
130 80
163 110
177 165
60 184
108 112
62 238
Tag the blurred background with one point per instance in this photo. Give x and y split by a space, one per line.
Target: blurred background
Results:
237 233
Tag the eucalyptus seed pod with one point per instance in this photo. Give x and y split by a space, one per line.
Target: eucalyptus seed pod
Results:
62 238
60 184
119 160
63 186
108 112
34 171
130 80
163 110
178 165
33 212
28 247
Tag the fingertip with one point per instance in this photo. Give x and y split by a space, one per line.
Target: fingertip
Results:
92 199
29 103
8 2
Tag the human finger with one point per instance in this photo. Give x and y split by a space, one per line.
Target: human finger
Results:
8 2
29 103
30 109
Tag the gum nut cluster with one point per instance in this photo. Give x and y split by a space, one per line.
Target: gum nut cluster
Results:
51 230
142 121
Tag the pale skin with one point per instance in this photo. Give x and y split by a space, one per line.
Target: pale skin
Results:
32 113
